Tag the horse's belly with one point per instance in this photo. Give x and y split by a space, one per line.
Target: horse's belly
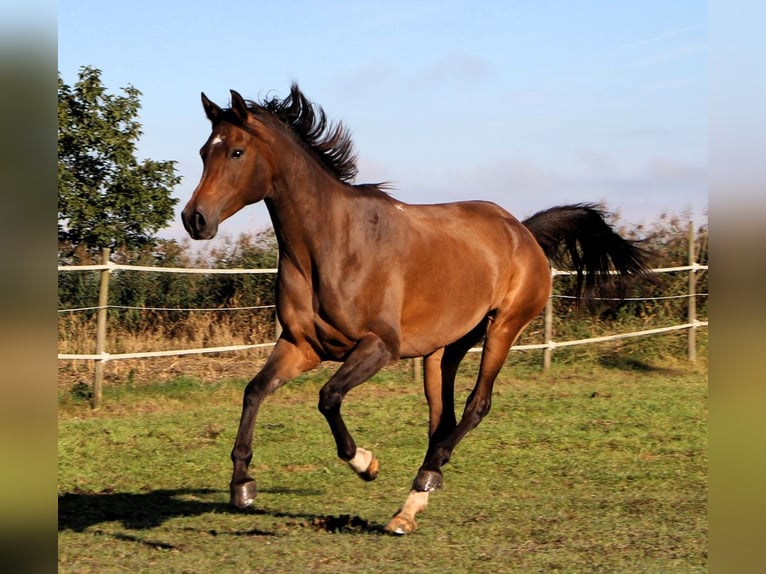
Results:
439 322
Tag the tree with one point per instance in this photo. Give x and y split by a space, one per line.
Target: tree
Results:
106 197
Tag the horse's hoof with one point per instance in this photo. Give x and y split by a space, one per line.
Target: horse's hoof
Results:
400 525
243 494
372 470
365 464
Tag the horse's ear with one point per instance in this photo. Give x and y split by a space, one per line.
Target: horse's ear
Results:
239 107
212 111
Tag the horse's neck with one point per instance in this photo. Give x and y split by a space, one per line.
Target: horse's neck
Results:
302 213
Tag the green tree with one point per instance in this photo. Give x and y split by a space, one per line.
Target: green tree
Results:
106 197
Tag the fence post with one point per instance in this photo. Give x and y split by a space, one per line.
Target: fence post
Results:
692 342
277 324
103 301
417 370
548 327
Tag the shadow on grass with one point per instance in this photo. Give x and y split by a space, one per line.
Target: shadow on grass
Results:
80 510
631 364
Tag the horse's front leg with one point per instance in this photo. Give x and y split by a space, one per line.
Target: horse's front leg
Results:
368 357
285 362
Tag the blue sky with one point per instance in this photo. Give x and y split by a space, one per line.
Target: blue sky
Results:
529 103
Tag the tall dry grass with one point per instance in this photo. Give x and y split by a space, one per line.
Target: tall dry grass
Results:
77 335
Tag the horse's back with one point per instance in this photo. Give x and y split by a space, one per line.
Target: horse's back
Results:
476 236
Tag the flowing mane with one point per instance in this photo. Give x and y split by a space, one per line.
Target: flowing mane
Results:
330 142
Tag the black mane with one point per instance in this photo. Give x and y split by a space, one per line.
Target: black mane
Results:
330 142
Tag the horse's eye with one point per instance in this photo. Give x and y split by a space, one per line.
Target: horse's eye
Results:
236 154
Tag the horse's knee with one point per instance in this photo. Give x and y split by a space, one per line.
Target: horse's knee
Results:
329 401
483 407
256 391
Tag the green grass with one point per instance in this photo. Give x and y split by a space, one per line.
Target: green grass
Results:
591 468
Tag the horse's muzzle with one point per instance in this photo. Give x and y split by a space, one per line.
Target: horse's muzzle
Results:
197 225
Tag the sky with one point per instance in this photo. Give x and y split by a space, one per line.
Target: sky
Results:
527 103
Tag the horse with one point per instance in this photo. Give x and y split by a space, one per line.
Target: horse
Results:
365 279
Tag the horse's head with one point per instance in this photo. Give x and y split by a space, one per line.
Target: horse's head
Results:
236 171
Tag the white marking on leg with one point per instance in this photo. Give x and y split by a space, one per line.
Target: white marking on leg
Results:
361 461
416 501
404 521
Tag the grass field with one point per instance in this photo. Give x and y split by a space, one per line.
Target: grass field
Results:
599 467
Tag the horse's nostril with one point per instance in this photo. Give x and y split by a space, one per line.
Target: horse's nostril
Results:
197 225
198 221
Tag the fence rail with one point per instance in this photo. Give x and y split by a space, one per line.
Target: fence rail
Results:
549 344
101 356
109 266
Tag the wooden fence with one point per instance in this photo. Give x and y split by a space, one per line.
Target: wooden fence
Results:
549 345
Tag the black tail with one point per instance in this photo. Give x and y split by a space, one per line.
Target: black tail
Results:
578 235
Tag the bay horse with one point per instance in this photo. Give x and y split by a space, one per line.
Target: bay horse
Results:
366 280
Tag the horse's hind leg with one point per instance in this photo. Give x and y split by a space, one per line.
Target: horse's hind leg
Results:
284 363
501 333
368 357
440 372
439 389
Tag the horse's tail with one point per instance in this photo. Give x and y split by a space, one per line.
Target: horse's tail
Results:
578 235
